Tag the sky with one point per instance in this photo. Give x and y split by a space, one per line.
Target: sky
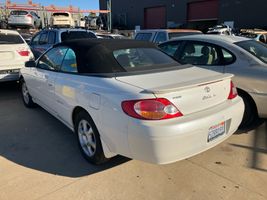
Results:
82 4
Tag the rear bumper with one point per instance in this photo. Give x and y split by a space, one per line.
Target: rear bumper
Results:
261 103
168 141
9 76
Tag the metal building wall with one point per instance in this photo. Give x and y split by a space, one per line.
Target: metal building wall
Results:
244 13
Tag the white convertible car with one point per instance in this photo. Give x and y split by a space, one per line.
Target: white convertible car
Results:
127 97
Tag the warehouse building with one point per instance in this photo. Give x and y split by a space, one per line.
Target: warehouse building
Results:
199 14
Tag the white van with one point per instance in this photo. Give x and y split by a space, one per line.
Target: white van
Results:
62 19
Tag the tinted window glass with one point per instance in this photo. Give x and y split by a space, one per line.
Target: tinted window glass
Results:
52 60
174 35
139 59
199 54
76 35
143 36
52 37
43 38
10 39
35 40
161 37
69 63
228 57
170 47
61 14
257 49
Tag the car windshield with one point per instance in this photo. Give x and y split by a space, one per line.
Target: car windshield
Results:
257 49
10 39
140 59
175 35
70 35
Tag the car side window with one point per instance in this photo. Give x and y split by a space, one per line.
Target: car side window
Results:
143 36
51 37
52 60
161 37
43 38
35 40
200 53
228 57
170 48
69 63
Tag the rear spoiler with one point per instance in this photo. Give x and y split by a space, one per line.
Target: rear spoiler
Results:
189 84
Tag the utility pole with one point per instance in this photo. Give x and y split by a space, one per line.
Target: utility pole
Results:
109 17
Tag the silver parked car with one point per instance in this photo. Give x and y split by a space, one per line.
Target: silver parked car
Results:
243 57
23 18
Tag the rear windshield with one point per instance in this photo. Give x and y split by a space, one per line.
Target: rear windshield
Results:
18 12
70 35
61 14
10 39
141 59
174 35
257 49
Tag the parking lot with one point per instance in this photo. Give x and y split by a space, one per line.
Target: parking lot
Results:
39 159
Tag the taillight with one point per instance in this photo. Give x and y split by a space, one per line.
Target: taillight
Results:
24 52
233 91
29 15
150 109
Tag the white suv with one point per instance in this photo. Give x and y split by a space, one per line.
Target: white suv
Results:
14 52
23 18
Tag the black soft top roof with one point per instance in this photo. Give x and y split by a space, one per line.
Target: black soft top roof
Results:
96 55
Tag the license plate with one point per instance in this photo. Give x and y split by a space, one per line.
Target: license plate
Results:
216 131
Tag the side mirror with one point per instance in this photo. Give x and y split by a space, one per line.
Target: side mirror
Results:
30 63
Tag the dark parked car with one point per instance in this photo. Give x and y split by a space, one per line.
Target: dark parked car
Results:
45 39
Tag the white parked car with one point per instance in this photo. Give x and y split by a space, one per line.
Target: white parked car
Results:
62 19
14 52
127 97
23 18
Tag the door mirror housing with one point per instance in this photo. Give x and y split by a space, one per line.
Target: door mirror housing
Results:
30 63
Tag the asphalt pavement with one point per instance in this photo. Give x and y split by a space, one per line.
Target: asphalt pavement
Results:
40 159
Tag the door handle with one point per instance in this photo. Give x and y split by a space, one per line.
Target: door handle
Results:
50 84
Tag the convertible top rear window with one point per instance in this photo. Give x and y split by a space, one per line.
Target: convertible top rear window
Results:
137 59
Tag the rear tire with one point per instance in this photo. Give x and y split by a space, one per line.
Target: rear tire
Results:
26 97
88 139
250 114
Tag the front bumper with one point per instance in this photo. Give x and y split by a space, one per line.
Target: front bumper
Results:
167 141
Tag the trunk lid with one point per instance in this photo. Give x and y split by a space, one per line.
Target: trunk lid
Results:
191 89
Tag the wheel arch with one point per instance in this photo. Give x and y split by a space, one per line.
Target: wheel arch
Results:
105 146
242 92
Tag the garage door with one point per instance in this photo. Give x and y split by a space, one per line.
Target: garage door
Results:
155 17
203 10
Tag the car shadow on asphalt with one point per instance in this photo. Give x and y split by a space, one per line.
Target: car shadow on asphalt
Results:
259 146
34 139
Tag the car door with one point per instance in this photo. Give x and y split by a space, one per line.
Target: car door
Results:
45 73
65 87
202 54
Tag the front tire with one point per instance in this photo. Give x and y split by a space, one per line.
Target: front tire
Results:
26 97
89 139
